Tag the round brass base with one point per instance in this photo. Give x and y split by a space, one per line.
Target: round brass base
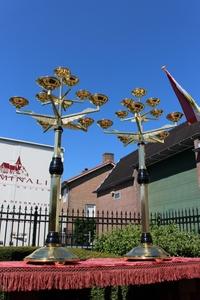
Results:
147 252
51 254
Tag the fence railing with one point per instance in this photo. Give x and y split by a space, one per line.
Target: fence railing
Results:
29 226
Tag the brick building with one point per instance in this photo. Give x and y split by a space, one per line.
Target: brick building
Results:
78 192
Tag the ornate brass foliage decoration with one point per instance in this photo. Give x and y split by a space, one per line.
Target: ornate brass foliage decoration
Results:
43 97
73 125
156 112
125 139
121 114
152 101
139 92
86 122
127 102
83 94
62 72
163 135
43 124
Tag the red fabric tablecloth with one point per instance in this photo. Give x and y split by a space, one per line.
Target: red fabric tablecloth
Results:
101 272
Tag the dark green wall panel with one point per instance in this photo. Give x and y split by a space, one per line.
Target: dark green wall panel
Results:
174 183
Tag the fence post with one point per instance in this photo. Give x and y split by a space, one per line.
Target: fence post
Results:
35 226
158 219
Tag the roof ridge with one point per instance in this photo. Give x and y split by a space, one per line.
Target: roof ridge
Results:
89 171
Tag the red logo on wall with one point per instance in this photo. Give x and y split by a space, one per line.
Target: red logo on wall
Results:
16 168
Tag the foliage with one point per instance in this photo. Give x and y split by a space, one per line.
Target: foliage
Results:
111 292
118 241
18 253
176 242
168 237
84 231
15 253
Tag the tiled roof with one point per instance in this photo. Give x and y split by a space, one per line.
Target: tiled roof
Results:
90 172
180 139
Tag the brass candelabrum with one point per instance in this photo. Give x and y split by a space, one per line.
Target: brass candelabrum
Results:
146 250
62 81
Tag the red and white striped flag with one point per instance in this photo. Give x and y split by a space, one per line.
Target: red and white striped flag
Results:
188 104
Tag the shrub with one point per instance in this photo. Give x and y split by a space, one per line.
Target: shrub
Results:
168 237
118 241
176 242
15 253
18 253
84 231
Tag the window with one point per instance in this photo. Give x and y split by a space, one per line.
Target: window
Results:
116 195
65 195
90 210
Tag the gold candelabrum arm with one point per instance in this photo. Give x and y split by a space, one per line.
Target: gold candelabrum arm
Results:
82 113
145 136
53 121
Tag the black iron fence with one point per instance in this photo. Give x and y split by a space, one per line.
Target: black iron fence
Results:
29 226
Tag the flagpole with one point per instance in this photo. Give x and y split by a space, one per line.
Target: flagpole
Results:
189 106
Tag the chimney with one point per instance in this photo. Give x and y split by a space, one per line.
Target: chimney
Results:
108 157
85 170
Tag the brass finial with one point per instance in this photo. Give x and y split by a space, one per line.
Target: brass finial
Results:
62 72
139 92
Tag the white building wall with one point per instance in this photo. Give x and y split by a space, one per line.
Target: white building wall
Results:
23 184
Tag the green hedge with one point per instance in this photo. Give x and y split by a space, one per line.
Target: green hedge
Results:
168 237
15 253
84 231
18 253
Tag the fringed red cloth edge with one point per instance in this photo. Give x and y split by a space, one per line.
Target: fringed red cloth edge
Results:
18 276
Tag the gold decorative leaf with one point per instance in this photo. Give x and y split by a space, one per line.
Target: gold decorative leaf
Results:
121 114
139 92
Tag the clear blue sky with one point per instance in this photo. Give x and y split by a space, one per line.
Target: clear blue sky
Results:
112 46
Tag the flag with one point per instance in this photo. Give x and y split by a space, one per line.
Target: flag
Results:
189 106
